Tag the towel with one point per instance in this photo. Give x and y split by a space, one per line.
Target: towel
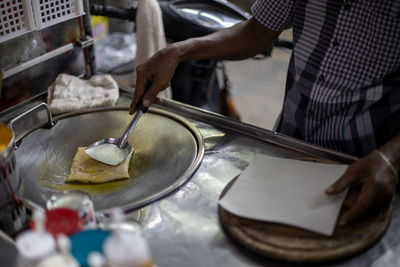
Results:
150 34
69 93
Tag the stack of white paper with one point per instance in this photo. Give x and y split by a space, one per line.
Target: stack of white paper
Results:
287 191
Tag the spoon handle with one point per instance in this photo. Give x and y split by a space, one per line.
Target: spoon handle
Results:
139 111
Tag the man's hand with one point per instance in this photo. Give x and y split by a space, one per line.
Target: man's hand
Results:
243 40
377 183
154 76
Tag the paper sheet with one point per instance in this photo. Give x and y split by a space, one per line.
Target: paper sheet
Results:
287 191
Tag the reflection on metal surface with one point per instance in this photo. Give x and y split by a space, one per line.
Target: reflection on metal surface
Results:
183 229
168 150
153 221
128 224
212 136
211 16
189 230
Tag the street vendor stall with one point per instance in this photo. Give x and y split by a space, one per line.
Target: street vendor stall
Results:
185 159
181 219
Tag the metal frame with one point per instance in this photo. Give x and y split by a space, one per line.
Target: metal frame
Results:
255 132
86 44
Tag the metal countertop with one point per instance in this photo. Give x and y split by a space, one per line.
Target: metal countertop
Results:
183 228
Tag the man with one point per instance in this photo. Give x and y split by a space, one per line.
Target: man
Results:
343 82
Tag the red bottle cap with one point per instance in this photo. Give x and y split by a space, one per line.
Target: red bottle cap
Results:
62 221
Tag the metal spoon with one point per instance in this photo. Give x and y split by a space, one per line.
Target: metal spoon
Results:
113 151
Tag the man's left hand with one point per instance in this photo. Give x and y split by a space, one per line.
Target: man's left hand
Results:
377 183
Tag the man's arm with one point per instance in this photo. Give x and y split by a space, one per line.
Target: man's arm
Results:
241 41
377 173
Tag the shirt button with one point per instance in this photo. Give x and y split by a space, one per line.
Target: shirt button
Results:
321 77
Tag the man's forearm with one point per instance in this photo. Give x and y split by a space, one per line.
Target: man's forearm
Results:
243 40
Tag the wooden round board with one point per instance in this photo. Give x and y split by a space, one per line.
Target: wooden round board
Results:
292 244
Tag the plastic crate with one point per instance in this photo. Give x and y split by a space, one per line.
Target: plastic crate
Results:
16 18
50 12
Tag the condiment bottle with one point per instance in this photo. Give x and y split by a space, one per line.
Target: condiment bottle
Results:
34 245
126 248
87 241
77 200
63 258
61 221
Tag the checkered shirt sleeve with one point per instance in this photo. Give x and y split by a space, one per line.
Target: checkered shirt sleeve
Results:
275 14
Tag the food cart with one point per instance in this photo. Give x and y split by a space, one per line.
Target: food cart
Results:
187 158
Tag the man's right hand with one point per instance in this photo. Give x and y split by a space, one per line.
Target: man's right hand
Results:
243 40
153 76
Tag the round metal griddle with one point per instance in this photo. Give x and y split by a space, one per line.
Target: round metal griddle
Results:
167 151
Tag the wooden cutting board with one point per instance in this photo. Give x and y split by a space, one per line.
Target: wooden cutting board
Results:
292 244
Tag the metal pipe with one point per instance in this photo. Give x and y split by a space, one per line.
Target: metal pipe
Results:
254 131
88 51
114 12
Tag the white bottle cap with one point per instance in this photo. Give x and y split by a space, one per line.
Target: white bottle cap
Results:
96 259
125 248
35 244
62 259
59 261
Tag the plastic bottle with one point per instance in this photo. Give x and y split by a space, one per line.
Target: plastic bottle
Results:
61 221
34 245
126 248
63 258
87 241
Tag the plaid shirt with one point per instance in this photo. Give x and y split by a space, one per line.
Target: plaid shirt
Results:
343 82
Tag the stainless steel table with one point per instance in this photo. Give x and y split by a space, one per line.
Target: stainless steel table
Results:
183 228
